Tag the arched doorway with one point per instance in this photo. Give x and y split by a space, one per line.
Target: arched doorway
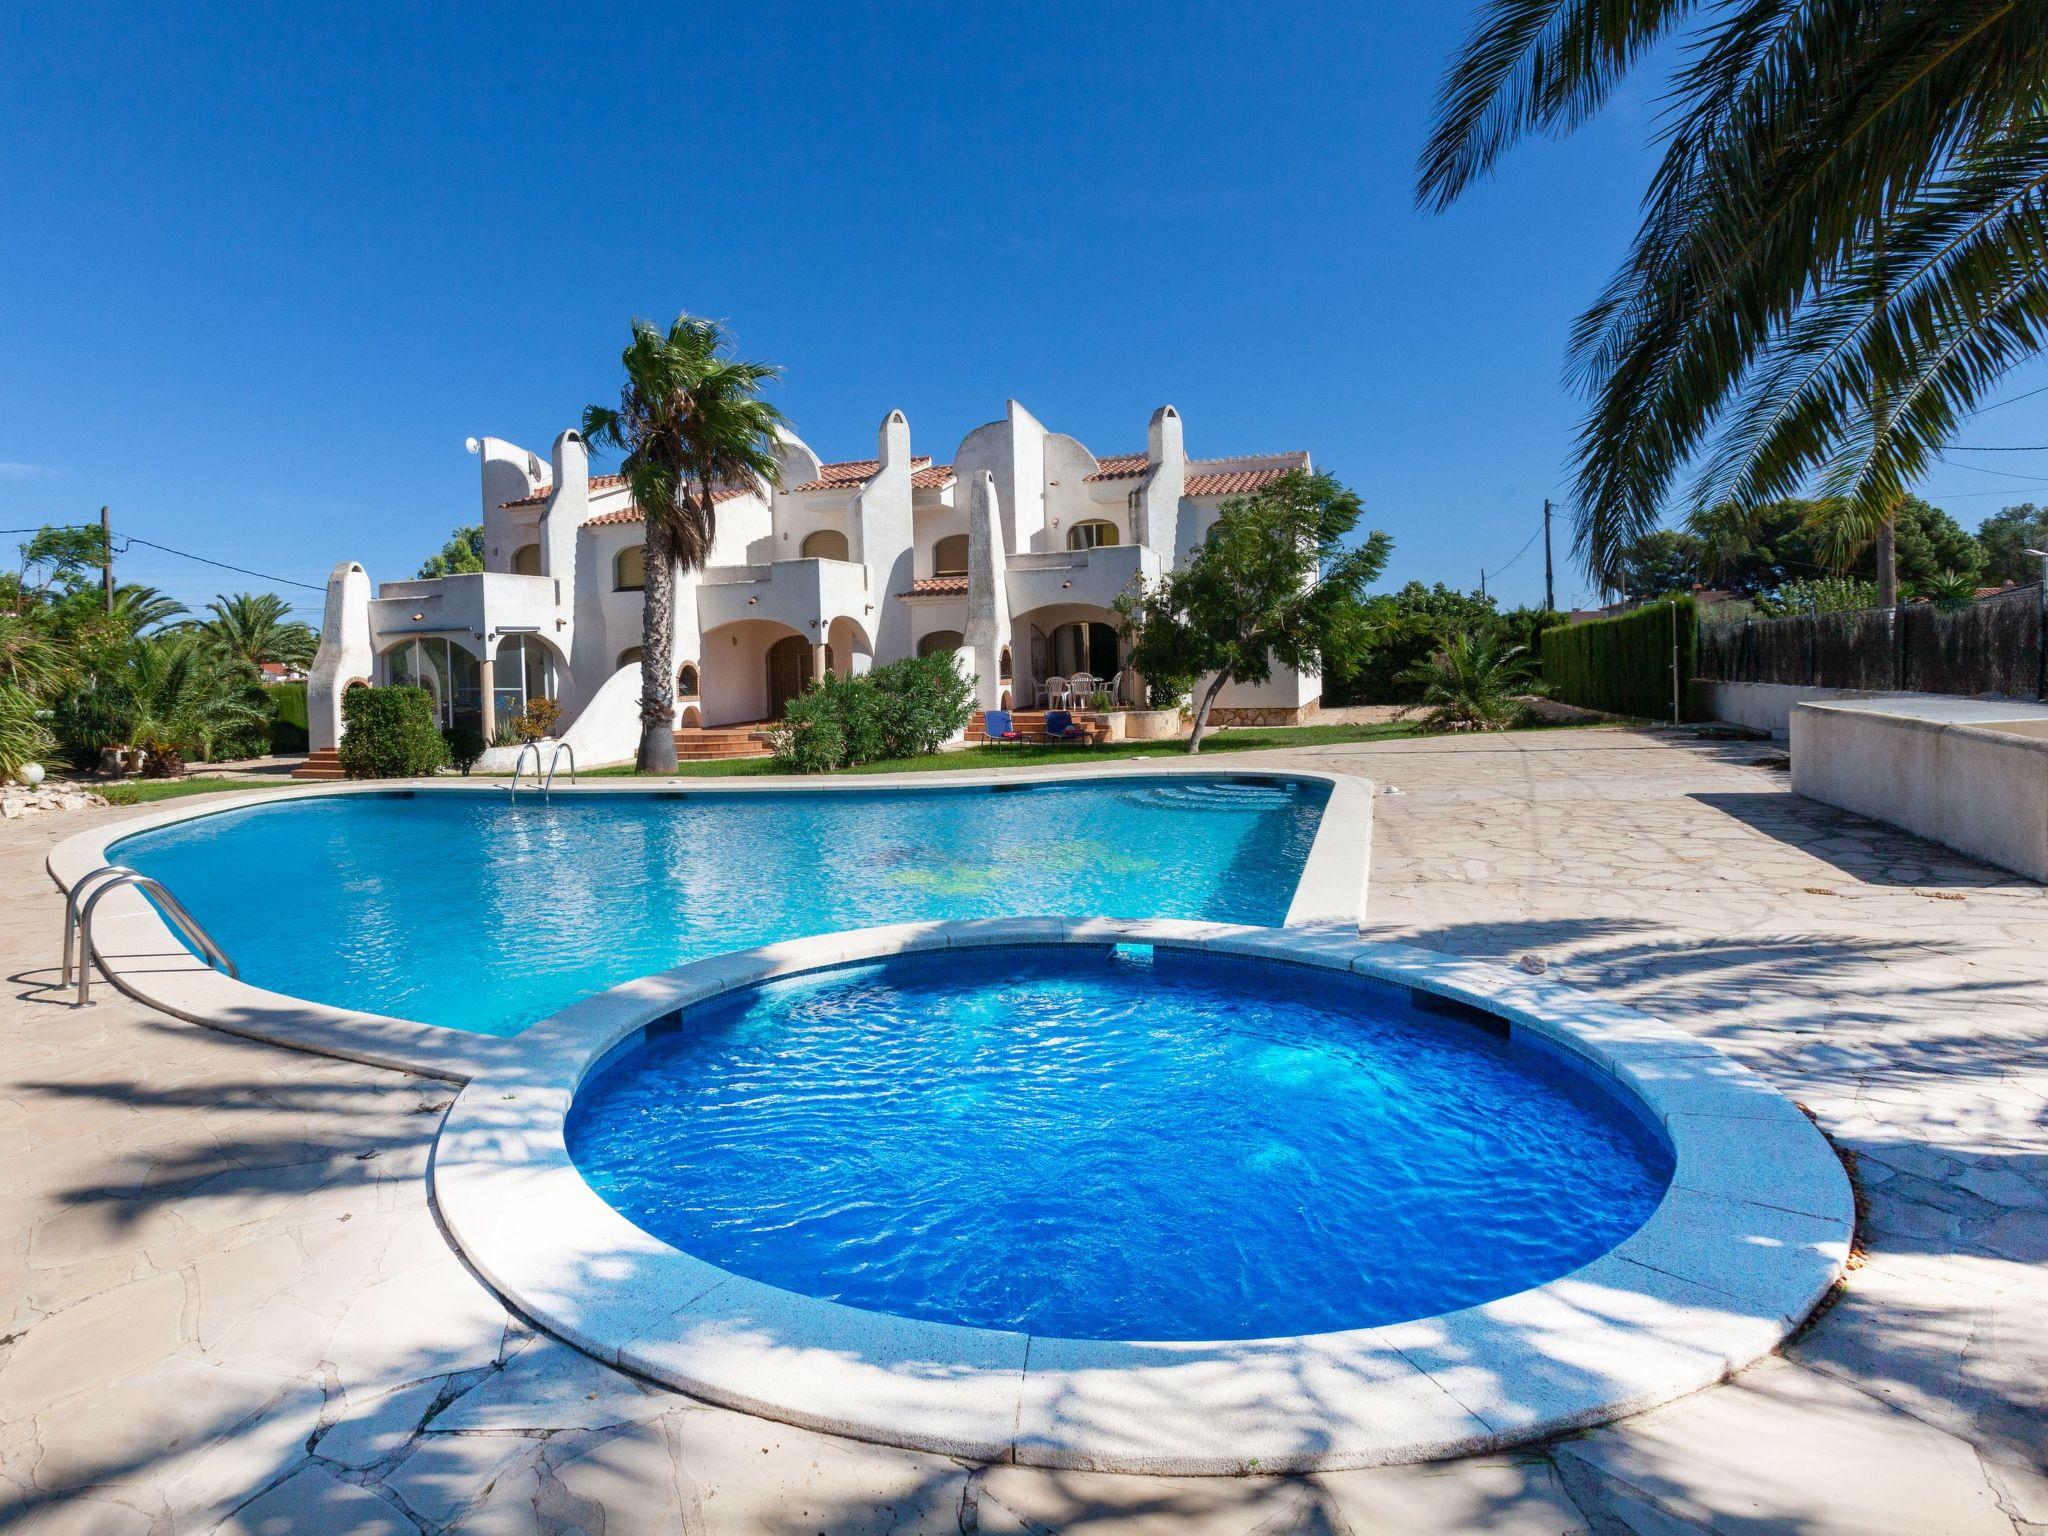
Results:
789 672
825 544
1081 647
526 560
946 640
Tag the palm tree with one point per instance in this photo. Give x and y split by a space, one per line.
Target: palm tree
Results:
1473 683
173 694
689 422
1844 247
256 627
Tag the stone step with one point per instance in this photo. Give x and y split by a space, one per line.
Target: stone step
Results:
324 764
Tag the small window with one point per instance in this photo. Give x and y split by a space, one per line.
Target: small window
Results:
949 556
686 680
1093 534
825 544
946 640
526 560
629 569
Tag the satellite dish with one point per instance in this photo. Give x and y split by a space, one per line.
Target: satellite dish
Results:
471 444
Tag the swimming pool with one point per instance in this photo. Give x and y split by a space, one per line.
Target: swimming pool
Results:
1115 1143
468 910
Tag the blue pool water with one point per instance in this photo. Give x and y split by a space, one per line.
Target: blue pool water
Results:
470 911
1095 1144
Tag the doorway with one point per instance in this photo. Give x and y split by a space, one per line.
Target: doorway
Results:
789 672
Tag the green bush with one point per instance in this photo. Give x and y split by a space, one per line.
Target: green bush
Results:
288 725
390 733
1623 665
465 746
906 709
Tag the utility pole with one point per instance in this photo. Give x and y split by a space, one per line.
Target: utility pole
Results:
1482 582
107 559
1549 587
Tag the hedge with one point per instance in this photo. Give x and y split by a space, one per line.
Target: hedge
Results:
287 717
390 733
1623 665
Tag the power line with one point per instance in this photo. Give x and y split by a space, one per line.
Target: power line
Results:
1965 448
2003 474
2015 400
239 570
1490 575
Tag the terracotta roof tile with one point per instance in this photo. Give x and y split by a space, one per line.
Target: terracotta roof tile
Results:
632 514
1120 466
936 478
852 474
1244 475
937 586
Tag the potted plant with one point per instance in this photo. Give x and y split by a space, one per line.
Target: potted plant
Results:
1102 706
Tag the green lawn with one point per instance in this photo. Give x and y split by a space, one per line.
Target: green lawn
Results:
142 791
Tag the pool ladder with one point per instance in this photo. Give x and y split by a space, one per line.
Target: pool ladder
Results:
84 898
554 762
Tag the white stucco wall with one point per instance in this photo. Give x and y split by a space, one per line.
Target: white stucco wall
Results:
347 653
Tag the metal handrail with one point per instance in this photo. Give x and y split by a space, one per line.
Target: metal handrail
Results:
113 877
519 766
554 762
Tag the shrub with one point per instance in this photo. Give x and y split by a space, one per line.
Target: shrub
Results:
906 709
23 736
1472 683
389 733
539 719
161 758
465 746
1623 665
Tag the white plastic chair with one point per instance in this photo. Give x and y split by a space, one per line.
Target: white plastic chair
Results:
1054 693
1079 686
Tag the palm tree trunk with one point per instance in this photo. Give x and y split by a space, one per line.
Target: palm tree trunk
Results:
657 653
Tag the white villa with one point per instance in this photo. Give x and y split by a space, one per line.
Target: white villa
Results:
1010 557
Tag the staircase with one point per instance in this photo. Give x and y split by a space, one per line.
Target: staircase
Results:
697 744
324 764
1030 723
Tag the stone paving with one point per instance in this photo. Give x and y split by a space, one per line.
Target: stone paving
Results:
231 1307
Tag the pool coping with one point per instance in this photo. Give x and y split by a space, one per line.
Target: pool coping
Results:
1749 1238
139 954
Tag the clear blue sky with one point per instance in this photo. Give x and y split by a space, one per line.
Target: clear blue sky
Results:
265 267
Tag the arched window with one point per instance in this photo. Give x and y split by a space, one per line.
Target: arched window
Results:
526 560
1091 534
1003 665
686 680
825 544
629 569
525 671
946 640
949 556
629 657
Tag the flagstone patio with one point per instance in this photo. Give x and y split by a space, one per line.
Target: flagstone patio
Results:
231 1306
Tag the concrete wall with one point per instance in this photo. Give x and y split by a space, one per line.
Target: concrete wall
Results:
1964 772
1764 706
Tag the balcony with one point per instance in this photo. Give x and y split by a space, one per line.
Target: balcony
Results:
803 595
1092 578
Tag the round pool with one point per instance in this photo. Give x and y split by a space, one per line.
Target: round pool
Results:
1115 1143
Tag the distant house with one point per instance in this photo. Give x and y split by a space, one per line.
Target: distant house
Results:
279 672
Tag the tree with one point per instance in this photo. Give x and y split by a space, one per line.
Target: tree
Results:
2004 539
463 552
1844 247
256 627
1928 542
1660 562
173 694
1402 630
690 421
1274 582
